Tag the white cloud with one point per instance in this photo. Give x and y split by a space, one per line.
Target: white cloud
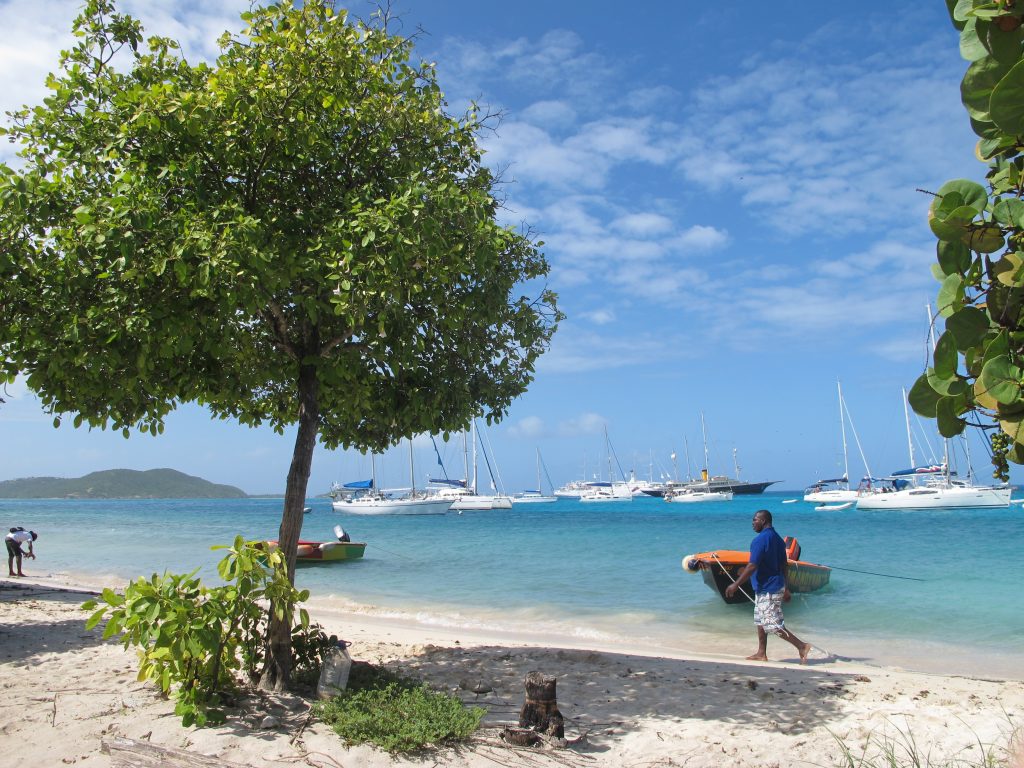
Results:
598 316
530 427
549 114
582 425
701 238
643 224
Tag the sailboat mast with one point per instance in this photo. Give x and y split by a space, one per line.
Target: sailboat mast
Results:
474 455
704 434
910 439
412 473
842 430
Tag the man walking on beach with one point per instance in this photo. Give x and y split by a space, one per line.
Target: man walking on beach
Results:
767 573
14 540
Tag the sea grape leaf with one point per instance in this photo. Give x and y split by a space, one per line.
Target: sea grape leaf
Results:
972 46
953 256
1006 105
1009 270
951 295
947 418
1002 379
968 325
1009 212
1003 44
922 397
981 78
945 356
983 398
986 238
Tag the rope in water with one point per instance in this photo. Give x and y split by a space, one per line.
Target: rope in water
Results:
872 573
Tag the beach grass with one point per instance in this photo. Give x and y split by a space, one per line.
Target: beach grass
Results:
396 713
903 750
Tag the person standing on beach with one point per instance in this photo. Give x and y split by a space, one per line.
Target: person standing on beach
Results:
767 573
14 540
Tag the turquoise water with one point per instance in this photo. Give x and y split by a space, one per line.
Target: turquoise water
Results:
607 572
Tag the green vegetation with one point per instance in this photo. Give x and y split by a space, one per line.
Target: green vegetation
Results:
298 234
194 640
119 484
395 713
903 751
977 375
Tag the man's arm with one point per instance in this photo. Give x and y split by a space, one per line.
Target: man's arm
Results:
745 574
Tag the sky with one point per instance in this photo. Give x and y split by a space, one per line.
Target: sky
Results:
729 197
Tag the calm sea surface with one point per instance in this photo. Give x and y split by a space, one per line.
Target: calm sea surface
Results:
604 572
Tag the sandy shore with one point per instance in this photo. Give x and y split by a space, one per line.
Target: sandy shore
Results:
64 691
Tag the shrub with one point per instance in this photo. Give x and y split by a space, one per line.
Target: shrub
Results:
193 640
396 713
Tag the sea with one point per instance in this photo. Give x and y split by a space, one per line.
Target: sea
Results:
931 591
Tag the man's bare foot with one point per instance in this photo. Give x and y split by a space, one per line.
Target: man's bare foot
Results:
757 657
803 653
20 573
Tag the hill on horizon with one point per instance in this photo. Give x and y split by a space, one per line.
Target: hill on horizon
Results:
119 484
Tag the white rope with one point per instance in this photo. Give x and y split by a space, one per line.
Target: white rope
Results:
726 572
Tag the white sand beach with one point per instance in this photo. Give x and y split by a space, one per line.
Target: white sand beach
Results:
65 691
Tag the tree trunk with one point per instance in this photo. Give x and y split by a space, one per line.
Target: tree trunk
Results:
540 709
278 667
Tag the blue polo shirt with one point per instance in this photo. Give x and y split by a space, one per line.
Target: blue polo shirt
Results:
768 552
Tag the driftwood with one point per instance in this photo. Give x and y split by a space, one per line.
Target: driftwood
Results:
540 709
129 753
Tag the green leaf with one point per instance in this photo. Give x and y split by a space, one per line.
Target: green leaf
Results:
969 325
986 238
971 46
1009 270
946 356
977 85
922 398
95 618
1002 379
951 295
1006 106
1009 212
954 257
1004 44
947 420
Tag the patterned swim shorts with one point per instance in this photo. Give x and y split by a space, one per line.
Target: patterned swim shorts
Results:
768 611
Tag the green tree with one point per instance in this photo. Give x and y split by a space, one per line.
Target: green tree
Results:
977 370
298 234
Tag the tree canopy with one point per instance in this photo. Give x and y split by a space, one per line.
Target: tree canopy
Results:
298 233
977 370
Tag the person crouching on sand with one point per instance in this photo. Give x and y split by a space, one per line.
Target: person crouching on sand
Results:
14 540
767 572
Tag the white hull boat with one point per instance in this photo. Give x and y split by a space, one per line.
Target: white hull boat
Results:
690 496
937 496
381 505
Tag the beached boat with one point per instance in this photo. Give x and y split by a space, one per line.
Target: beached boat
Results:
314 552
722 567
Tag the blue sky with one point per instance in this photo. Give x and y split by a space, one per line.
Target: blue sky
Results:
727 193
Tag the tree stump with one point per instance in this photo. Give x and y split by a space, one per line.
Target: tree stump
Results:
540 709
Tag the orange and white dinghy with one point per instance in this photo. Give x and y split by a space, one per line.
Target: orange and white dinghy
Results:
722 567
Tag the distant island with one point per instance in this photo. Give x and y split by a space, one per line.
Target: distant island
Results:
119 484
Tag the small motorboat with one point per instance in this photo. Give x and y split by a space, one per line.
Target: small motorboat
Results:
721 568
834 507
315 552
